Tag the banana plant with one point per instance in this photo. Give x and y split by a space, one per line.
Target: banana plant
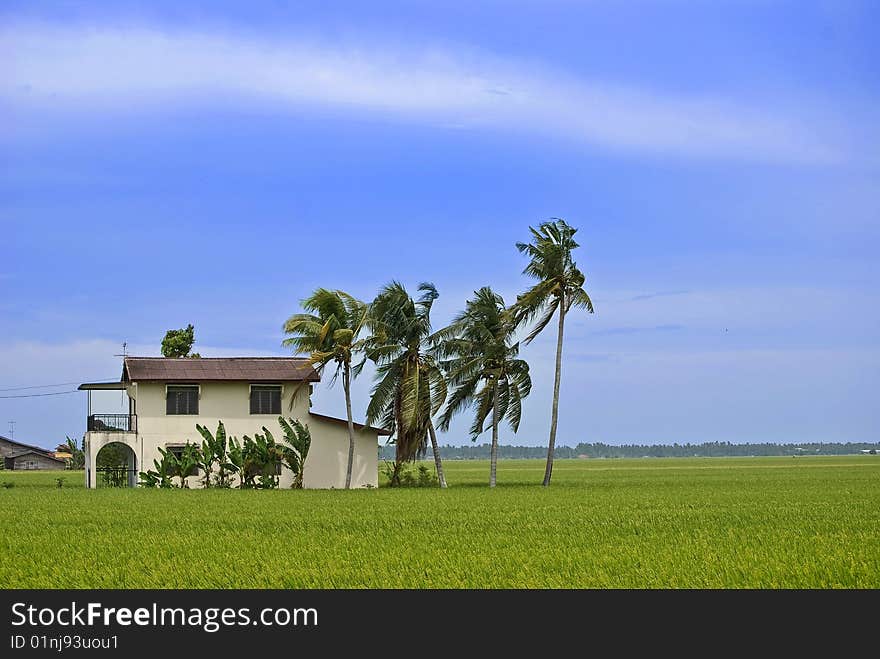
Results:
298 439
252 461
163 472
188 460
207 454
214 452
78 457
263 459
237 462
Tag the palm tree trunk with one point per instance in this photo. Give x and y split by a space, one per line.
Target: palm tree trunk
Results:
554 415
346 384
493 459
438 465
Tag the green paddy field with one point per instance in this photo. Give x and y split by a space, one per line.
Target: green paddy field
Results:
807 522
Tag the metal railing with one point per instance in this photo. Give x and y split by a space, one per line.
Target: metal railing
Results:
116 477
112 423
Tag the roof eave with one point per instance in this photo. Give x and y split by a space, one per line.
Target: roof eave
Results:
101 386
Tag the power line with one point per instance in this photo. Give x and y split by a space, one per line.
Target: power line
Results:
56 393
39 386
45 386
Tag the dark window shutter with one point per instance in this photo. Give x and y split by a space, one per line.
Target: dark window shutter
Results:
265 399
193 403
182 400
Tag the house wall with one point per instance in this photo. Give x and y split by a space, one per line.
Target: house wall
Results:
7 448
34 461
230 402
328 455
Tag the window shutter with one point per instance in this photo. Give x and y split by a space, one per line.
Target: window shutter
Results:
265 399
180 399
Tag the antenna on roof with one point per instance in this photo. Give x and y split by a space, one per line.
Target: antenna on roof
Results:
12 430
123 354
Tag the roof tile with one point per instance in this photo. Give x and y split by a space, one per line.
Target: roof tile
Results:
140 369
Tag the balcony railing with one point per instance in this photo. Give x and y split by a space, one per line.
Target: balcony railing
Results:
112 423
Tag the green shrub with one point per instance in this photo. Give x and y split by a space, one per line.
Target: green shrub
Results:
399 475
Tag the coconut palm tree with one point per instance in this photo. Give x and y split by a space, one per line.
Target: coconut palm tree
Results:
328 334
410 387
559 288
483 367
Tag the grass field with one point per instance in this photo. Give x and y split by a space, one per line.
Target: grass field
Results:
811 522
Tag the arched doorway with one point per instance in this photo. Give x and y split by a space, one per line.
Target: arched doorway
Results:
116 466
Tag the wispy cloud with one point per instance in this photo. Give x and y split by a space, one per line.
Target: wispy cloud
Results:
612 331
128 69
649 296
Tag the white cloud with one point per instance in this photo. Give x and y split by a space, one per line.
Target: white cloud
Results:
133 69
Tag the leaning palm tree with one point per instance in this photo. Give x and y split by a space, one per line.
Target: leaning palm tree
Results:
559 288
483 367
410 387
328 333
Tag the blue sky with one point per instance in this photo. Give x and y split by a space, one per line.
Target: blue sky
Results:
214 163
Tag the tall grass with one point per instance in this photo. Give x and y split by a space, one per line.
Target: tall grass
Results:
653 523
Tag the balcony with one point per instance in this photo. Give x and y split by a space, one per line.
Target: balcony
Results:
112 423
123 423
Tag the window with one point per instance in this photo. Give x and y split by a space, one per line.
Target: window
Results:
177 452
265 399
182 399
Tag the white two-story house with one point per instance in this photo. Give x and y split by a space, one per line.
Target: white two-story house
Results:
168 397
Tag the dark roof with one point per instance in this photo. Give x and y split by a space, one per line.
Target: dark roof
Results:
253 369
358 426
25 446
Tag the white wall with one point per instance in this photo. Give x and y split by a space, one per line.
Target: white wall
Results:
230 402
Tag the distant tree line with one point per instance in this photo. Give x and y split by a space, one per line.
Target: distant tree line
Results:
600 450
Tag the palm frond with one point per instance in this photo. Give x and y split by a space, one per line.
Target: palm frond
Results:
579 298
458 400
514 408
483 401
542 322
438 386
410 387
